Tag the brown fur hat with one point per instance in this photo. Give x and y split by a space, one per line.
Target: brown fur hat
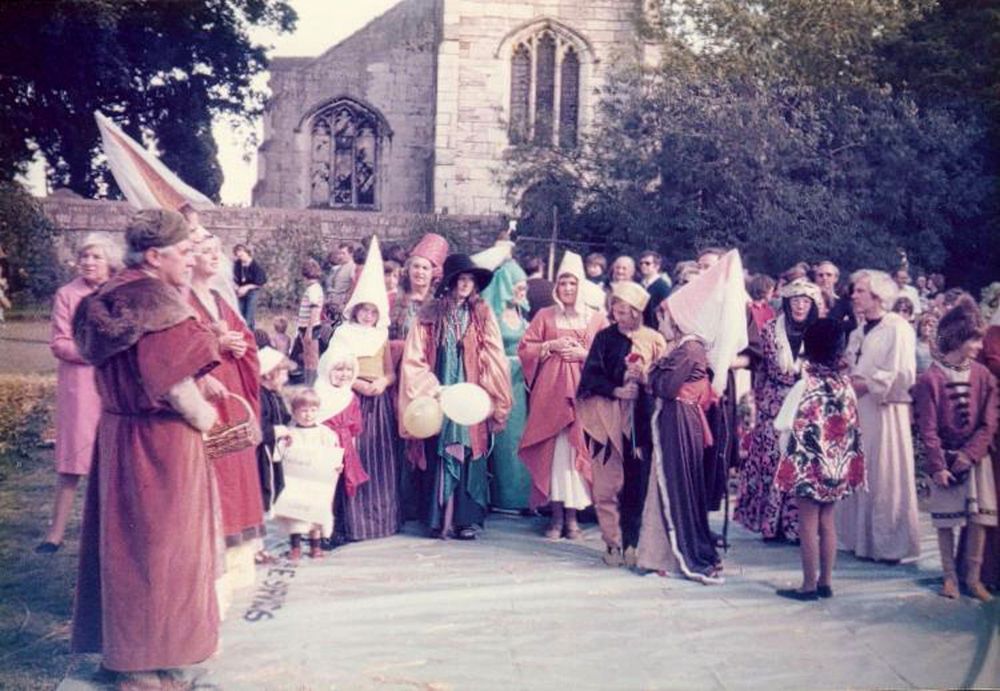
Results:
150 228
959 324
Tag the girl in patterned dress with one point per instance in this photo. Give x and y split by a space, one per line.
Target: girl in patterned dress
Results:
821 460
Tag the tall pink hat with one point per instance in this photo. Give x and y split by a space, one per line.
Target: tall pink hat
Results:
434 249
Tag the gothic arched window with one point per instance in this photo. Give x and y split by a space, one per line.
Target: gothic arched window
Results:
345 148
544 90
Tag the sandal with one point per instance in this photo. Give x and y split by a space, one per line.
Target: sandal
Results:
553 532
573 532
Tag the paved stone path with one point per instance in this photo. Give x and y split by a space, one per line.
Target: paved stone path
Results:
514 611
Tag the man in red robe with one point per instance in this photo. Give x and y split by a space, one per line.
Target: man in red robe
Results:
145 592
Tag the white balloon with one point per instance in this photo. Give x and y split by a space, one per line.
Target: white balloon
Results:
466 404
423 417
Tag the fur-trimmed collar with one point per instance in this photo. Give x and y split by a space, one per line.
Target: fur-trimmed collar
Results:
114 318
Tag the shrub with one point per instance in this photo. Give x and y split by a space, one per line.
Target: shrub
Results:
27 403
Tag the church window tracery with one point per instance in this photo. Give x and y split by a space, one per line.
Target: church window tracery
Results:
544 90
345 147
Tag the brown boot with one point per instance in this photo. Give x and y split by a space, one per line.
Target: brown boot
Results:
975 544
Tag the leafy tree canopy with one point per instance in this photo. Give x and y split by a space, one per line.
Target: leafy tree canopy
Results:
788 128
155 67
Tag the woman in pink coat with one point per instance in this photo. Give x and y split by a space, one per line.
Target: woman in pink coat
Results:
78 406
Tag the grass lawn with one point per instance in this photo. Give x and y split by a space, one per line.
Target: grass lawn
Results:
36 590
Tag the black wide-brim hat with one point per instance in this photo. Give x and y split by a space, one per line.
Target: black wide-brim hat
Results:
457 264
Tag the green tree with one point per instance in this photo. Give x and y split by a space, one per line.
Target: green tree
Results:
155 67
950 59
28 238
773 127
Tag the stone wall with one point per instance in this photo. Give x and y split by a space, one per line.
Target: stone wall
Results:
281 238
473 90
438 71
389 66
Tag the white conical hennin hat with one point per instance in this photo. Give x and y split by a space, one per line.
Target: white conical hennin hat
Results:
713 307
365 341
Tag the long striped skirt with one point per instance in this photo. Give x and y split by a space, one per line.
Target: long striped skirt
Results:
374 510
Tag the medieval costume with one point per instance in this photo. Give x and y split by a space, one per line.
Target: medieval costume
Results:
456 339
553 447
340 410
707 314
675 535
760 505
145 595
432 249
618 429
373 511
881 523
510 483
956 410
236 473
991 555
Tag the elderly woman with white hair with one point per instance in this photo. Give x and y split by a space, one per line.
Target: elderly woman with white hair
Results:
78 407
881 523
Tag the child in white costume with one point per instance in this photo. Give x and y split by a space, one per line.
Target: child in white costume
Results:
313 458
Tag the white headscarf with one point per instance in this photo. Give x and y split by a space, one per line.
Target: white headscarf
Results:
333 399
712 306
588 293
365 341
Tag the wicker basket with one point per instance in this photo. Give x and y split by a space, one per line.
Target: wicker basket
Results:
231 436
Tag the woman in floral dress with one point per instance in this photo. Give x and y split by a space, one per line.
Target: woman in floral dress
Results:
821 458
760 506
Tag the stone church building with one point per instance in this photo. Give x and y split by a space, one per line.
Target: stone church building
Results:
415 111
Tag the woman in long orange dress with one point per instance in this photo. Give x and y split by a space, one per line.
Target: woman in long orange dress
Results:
552 353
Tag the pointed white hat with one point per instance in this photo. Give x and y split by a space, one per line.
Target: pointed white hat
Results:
713 307
365 341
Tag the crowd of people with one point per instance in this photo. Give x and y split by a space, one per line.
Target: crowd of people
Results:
639 395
